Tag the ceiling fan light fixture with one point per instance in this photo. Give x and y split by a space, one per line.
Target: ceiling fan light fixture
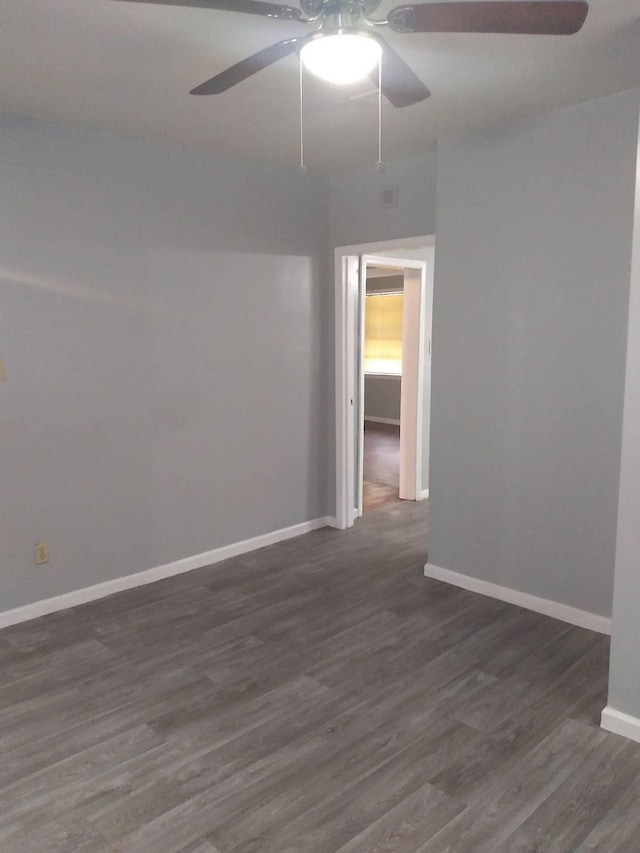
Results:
341 58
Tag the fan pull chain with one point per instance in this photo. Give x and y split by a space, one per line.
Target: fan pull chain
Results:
380 164
303 168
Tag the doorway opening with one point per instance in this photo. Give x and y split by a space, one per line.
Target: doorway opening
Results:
383 369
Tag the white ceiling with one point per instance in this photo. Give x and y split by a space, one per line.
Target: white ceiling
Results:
128 68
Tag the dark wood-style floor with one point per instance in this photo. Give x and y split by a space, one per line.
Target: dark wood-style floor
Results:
317 696
381 469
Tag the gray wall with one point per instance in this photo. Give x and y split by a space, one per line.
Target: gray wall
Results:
530 314
357 215
382 397
624 674
162 317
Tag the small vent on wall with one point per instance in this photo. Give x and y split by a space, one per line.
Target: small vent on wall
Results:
389 197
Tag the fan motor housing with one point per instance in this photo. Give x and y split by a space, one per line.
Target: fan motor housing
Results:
358 8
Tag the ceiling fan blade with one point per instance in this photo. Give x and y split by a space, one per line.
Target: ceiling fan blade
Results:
249 7
400 85
544 17
249 66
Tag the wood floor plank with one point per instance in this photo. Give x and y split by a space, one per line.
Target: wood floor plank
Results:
34 790
542 654
526 726
504 806
585 797
332 822
619 830
350 765
200 846
352 744
418 816
253 754
53 836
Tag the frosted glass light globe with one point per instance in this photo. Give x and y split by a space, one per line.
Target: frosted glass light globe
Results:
341 58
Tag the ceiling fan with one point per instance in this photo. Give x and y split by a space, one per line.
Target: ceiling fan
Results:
344 44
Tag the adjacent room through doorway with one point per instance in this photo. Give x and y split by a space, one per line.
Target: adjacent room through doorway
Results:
382 386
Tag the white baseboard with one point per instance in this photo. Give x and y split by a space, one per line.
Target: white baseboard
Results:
197 561
581 618
620 724
424 494
375 420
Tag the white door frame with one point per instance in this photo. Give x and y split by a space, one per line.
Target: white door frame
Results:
349 382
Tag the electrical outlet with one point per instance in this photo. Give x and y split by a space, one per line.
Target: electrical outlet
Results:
42 553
